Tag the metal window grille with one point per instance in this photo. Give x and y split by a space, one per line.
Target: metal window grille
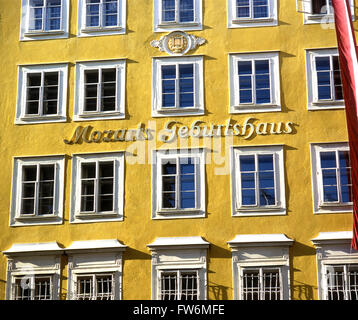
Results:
261 284
38 189
95 287
97 186
179 183
102 13
33 288
179 285
342 282
45 15
42 93
100 90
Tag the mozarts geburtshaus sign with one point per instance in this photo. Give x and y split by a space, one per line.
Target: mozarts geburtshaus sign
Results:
173 129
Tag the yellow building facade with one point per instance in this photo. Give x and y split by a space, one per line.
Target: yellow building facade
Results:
173 149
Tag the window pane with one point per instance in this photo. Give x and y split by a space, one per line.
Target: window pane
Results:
104 287
247 163
43 289
251 287
189 286
328 160
168 200
186 85
243 8
265 162
186 11
318 6
169 168
168 284
335 279
260 8
84 288
22 289
272 286
262 80
110 13
88 170
168 10
248 197
29 173
352 282
187 200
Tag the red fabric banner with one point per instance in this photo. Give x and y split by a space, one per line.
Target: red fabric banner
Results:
347 49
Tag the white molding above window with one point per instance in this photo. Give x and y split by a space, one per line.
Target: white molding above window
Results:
176 158
333 253
118 112
259 253
44 33
233 21
278 207
94 260
159 25
29 263
313 101
91 194
177 256
235 103
327 15
319 205
158 108
23 116
18 216
100 28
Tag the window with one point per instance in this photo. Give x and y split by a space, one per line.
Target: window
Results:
178 86
179 184
33 288
251 13
94 287
42 94
337 266
37 195
33 271
179 268
261 266
170 15
254 82
101 17
100 90
331 172
95 270
97 187
320 11
178 285
258 181
261 284
324 81
44 19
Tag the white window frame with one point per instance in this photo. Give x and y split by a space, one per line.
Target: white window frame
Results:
95 257
23 70
313 103
260 251
16 219
179 254
119 112
198 108
160 156
332 249
26 34
76 216
279 174
317 189
29 260
311 18
234 22
162 26
234 98
84 31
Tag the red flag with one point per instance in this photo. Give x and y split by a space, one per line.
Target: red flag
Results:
347 49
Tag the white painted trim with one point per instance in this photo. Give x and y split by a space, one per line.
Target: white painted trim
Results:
234 103
118 188
198 108
83 31
80 68
23 70
278 157
159 26
234 22
25 35
245 240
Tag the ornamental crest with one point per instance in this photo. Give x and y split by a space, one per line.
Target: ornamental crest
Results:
177 43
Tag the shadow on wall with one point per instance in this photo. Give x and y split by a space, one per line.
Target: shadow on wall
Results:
302 291
218 292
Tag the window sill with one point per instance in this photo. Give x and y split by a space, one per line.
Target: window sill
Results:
94 215
252 20
319 105
40 119
245 108
36 217
177 112
176 211
43 33
178 214
98 116
341 204
177 24
258 211
101 29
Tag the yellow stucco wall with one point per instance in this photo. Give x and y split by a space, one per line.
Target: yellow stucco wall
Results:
137 230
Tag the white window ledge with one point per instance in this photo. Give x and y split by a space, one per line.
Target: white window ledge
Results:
33 248
333 237
178 242
253 240
95 246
